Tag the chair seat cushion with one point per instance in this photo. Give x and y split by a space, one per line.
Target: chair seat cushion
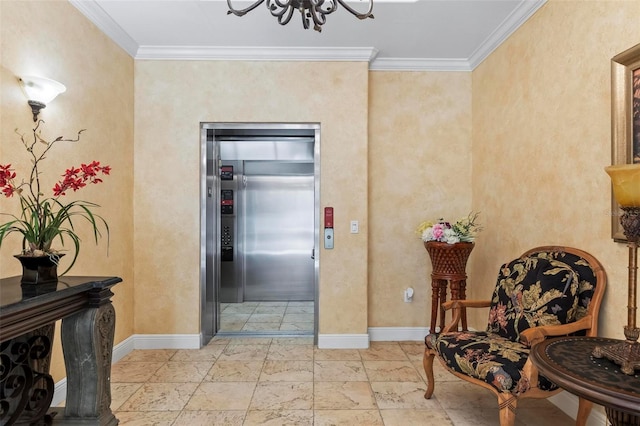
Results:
488 357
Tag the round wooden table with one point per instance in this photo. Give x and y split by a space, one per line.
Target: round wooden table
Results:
567 361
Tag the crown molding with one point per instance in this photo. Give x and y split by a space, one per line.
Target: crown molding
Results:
103 21
511 23
415 64
242 53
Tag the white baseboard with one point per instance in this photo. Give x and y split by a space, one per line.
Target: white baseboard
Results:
123 348
166 341
381 334
343 341
59 392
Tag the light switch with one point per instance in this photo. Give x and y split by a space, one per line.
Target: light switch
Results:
355 227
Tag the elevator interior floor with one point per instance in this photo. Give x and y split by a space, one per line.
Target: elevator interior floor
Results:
267 317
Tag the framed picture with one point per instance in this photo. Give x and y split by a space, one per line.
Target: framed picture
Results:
625 119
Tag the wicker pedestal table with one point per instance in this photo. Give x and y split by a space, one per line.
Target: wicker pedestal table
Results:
449 263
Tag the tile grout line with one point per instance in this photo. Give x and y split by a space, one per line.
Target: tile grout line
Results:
255 388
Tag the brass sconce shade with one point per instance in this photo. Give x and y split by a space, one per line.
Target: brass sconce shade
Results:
625 179
40 91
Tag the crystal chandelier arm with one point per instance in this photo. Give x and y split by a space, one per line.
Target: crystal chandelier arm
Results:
242 12
365 15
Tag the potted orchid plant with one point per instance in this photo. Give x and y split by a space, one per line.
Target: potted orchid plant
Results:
45 219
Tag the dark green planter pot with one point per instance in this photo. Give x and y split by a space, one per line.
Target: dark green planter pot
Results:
39 269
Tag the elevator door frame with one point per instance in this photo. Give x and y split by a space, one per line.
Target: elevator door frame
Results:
210 243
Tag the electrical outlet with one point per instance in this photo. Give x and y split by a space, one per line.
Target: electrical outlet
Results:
408 295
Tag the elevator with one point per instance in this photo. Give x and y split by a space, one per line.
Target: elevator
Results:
260 226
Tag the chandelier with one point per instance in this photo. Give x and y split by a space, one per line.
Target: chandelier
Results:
314 10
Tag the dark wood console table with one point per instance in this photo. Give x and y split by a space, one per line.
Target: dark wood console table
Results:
567 361
27 316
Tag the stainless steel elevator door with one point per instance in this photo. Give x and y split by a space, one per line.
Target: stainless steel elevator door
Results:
278 238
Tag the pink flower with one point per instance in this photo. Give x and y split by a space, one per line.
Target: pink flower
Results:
438 231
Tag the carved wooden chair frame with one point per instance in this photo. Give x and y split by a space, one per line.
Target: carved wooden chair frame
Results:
507 401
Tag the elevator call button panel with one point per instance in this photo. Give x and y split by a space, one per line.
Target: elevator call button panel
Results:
226 173
328 227
226 201
227 244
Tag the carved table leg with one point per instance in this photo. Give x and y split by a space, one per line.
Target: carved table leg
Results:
442 299
435 295
87 342
455 294
458 292
455 289
463 296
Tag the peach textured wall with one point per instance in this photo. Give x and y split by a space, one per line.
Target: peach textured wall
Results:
172 99
523 139
419 169
52 39
542 136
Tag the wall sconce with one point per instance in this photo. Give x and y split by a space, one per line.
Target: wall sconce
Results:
40 91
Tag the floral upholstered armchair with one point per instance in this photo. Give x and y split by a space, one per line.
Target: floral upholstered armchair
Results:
548 291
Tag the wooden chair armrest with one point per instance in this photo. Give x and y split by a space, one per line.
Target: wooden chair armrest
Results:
455 304
535 335
459 306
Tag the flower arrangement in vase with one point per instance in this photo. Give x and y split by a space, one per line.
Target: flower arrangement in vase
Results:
462 231
44 219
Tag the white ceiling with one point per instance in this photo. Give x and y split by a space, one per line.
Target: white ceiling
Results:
421 35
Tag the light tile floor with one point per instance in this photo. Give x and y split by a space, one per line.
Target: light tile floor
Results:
289 381
262 317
